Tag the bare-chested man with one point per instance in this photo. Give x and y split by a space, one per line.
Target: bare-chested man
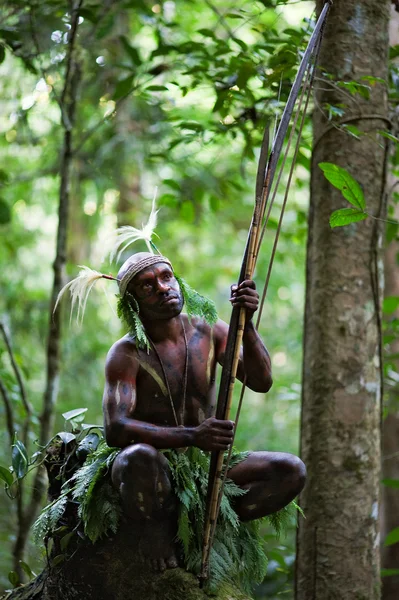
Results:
166 399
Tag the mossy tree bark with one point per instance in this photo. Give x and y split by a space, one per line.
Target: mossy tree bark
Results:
338 542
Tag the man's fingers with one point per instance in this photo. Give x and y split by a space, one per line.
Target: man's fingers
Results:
224 424
249 283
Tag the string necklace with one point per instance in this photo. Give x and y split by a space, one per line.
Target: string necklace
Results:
181 424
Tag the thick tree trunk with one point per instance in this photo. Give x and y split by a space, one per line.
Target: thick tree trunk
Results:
338 542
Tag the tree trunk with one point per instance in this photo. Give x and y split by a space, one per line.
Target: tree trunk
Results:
338 542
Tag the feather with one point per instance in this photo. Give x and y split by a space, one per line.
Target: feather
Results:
126 235
80 288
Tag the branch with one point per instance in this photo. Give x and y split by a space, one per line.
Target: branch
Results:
22 390
9 411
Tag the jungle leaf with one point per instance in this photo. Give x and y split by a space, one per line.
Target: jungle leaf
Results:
345 216
343 181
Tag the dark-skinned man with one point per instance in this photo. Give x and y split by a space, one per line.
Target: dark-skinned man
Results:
165 399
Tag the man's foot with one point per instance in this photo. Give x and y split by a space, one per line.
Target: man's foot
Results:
157 543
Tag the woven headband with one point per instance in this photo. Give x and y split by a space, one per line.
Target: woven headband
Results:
136 267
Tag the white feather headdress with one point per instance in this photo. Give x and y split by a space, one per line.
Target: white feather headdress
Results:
126 235
80 288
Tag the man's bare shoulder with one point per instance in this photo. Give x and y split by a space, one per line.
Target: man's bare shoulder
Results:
122 355
205 329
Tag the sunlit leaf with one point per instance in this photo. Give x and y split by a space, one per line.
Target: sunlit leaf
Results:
390 304
345 216
72 414
343 181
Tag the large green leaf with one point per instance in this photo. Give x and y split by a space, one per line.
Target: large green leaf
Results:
389 572
392 483
390 304
20 461
6 476
392 537
345 216
73 414
343 181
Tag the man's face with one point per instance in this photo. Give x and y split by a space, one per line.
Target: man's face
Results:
157 292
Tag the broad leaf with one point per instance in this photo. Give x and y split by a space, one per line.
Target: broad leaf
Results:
6 476
389 572
66 437
343 181
390 304
72 414
392 483
392 537
389 136
19 459
345 216
13 578
31 574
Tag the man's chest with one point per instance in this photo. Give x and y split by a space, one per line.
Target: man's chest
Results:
176 386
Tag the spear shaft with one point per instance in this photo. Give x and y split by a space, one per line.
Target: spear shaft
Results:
237 321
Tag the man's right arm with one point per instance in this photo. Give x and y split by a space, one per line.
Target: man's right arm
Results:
119 404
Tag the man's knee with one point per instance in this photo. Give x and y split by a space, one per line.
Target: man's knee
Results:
135 460
293 470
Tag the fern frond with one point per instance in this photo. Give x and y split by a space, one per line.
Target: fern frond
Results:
197 305
48 519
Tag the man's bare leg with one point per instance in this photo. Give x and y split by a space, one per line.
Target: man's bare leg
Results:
272 479
141 474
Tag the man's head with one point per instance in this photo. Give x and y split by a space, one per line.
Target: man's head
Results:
150 280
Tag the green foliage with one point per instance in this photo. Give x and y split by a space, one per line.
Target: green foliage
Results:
186 113
48 521
392 537
345 216
197 305
20 461
343 181
131 319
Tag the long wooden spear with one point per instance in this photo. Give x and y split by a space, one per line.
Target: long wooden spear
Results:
265 179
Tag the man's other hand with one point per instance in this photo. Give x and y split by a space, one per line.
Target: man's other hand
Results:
246 296
213 434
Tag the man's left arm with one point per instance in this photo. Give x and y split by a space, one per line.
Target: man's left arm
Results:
254 359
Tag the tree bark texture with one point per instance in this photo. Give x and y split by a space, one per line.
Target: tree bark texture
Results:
390 438
338 542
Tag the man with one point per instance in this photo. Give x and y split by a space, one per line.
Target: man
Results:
165 399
